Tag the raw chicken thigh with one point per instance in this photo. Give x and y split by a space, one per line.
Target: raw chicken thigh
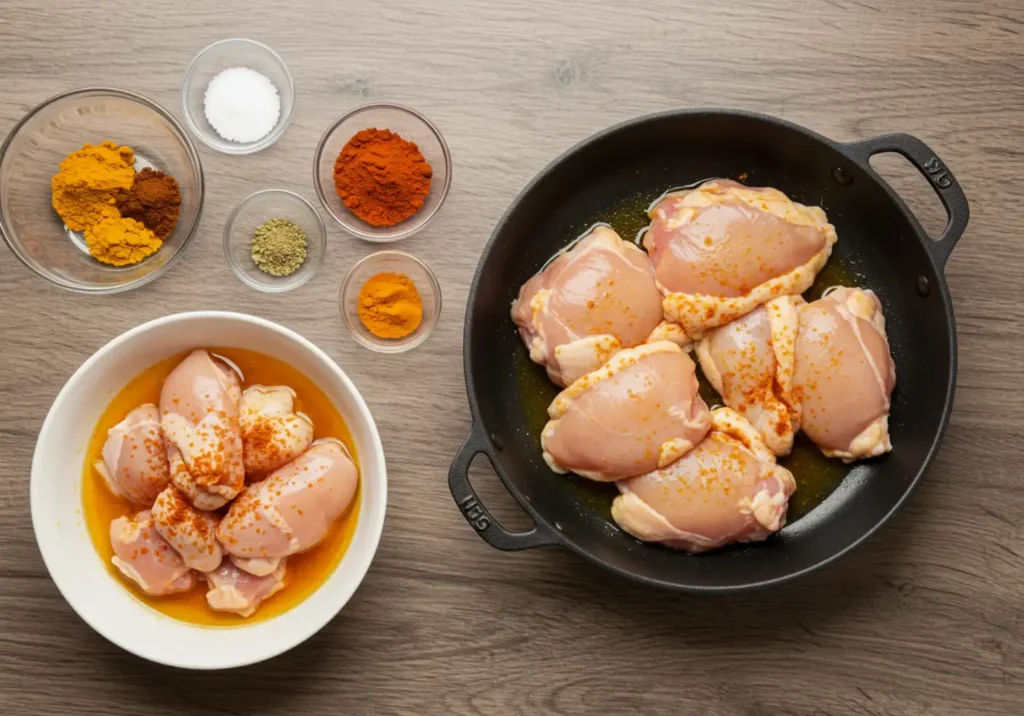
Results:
199 412
293 508
272 432
723 249
843 374
727 489
134 463
750 363
191 532
232 590
144 557
638 412
588 303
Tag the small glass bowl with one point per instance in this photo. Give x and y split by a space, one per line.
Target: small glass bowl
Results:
411 125
32 154
223 55
251 213
397 262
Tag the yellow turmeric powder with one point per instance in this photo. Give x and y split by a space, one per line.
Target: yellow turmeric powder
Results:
390 306
88 180
119 241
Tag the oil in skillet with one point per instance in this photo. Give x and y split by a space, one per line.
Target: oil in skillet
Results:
816 475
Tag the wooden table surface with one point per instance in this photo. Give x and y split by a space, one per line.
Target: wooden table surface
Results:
923 620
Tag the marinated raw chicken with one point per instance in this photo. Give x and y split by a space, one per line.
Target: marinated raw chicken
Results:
144 557
199 413
637 413
272 432
232 590
293 508
750 363
134 463
191 532
589 302
727 489
843 374
723 249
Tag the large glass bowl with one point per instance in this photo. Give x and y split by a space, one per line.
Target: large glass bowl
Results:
32 154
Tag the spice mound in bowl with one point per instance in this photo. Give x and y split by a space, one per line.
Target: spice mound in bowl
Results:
382 178
238 96
279 247
390 301
120 215
382 171
274 240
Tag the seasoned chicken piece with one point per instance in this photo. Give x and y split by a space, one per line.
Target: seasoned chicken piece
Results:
750 363
134 463
144 557
638 412
293 508
199 413
727 489
723 249
589 302
232 590
843 374
272 432
191 532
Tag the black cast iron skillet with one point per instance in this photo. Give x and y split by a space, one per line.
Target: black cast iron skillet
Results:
880 241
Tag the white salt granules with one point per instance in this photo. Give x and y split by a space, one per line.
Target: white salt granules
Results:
242 105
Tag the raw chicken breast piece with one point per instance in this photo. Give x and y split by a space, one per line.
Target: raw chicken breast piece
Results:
257 566
723 249
639 412
589 302
199 413
273 434
134 463
144 557
232 590
191 532
843 374
293 508
750 363
727 489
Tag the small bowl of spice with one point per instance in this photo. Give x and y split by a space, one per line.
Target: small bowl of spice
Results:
238 96
274 240
390 301
382 171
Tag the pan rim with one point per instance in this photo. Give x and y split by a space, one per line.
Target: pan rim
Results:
569 542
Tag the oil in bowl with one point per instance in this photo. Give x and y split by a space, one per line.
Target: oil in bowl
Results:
306 571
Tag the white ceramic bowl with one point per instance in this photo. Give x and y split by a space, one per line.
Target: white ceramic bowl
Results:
56 499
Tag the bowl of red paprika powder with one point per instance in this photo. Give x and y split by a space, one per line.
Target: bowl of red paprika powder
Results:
382 171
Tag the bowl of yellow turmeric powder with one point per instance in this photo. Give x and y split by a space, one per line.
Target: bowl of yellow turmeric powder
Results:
100 190
390 301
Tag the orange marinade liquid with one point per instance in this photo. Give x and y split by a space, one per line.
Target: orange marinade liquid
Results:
305 572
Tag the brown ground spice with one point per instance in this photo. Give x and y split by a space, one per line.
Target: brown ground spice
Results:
154 199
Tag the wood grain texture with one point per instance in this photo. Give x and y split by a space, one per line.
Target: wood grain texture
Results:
923 620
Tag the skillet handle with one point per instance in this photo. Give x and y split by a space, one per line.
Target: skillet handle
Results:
474 511
938 175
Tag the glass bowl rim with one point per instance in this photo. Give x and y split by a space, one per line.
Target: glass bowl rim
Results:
350 323
190 149
237 148
236 267
355 230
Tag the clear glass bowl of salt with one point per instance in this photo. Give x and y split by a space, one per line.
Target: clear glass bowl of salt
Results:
238 96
